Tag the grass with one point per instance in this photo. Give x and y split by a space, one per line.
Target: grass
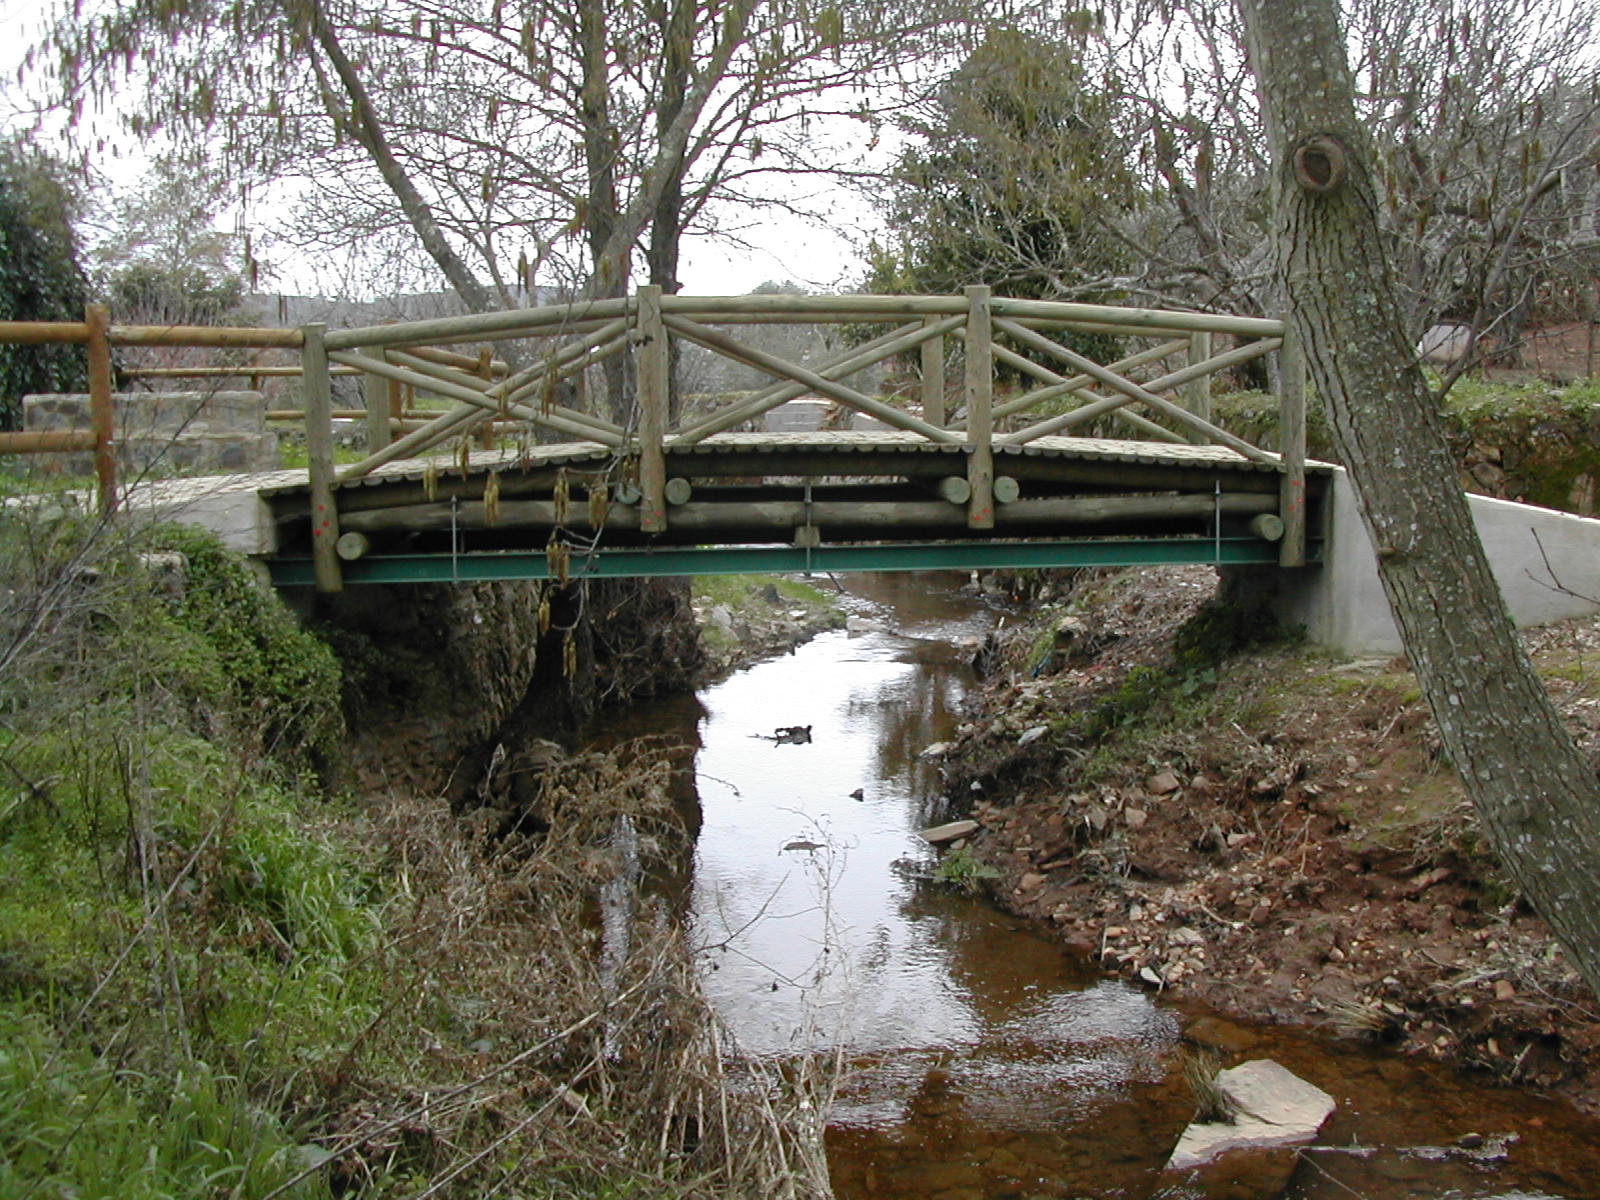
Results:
738 591
755 594
1211 1104
217 979
76 1126
293 456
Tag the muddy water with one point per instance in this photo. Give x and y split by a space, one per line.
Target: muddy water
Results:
983 1062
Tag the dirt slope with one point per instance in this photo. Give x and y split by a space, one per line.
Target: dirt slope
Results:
1273 831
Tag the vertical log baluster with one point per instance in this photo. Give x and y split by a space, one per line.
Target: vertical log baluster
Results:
1197 392
375 389
319 455
1292 445
102 406
933 377
980 408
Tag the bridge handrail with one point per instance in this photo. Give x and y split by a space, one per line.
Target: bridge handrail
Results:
645 323
520 322
398 356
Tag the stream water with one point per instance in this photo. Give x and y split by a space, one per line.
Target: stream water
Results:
983 1061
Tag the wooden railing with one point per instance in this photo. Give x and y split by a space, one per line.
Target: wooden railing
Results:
1158 391
98 335
572 338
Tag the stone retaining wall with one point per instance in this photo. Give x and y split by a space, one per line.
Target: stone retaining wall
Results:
164 432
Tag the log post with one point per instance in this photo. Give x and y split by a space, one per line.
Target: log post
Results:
980 408
1292 445
102 406
654 368
1197 392
376 391
486 431
319 455
933 377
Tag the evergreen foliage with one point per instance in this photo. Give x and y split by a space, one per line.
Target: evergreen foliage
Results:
40 275
1017 168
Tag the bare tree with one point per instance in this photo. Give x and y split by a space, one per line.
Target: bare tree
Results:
509 142
1535 794
1485 122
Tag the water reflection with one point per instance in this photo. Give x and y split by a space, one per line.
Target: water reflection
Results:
983 1063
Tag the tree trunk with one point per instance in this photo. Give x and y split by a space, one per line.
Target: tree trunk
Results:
1535 794
608 277
369 130
666 223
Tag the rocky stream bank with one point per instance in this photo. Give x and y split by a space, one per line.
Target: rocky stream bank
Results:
1266 829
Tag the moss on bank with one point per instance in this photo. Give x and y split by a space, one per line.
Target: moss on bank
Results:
744 618
1517 440
216 978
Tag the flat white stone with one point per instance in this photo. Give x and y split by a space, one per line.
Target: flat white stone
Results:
1274 1107
940 834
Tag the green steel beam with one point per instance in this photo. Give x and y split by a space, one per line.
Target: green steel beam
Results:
762 560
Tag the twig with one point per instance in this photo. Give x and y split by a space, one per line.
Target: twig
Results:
725 783
1555 584
475 1159
1321 1170
361 1135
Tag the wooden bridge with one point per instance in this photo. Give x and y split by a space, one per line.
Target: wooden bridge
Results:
967 475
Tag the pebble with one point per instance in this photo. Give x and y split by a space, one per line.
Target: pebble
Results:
1162 783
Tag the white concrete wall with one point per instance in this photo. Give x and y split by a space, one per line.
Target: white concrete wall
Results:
1547 563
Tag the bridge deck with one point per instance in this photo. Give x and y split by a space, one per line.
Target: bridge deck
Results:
1080 501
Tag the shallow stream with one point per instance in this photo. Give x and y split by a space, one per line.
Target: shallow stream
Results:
983 1061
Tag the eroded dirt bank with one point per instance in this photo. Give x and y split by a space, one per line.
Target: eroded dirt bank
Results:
438 676
1269 830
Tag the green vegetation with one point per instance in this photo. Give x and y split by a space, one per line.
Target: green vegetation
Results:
960 869
292 453
41 278
737 591
168 906
754 594
216 979
1533 441
1176 689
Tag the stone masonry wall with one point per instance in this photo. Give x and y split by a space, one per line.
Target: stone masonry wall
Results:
164 433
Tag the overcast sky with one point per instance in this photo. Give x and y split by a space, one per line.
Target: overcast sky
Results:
820 256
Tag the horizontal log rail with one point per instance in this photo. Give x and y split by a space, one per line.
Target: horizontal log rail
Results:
1157 390
48 441
240 372
528 371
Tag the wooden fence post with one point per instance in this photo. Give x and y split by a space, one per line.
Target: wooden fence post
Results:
319 454
1197 392
375 391
1292 445
654 387
102 405
933 377
980 408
